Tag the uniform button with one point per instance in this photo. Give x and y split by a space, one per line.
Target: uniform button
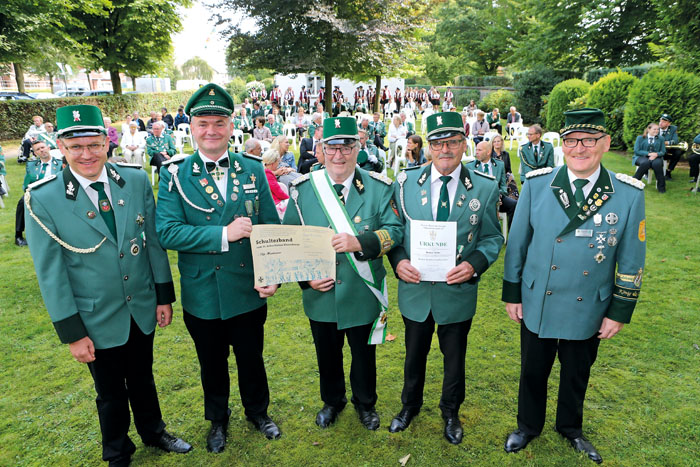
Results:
558 240
126 278
585 273
580 299
590 245
128 298
121 255
339 282
554 267
242 265
240 241
337 263
208 218
217 268
432 283
549 292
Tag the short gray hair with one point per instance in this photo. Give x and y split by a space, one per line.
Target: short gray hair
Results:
160 123
250 144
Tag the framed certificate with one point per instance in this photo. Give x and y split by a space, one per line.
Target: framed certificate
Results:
433 249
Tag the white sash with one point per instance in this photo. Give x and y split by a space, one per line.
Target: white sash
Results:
338 217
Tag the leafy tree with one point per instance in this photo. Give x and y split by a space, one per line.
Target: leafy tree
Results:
197 68
680 20
609 94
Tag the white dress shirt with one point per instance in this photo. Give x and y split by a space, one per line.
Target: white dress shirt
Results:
221 186
436 185
592 179
90 191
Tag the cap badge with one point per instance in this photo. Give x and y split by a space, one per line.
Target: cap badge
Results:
439 120
211 92
337 123
76 115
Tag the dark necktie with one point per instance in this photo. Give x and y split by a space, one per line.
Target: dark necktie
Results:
339 190
535 148
43 170
443 210
105 207
487 169
579 183
213 167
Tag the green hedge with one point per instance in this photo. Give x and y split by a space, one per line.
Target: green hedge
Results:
559 99
638 71
472 80
531 85
16 116
663 91
501 99
463 96
609 94
236 87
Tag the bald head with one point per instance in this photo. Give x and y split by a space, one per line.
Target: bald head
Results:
483 151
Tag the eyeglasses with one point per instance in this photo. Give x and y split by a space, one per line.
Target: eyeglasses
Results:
587 142
451 144
344 150
77 149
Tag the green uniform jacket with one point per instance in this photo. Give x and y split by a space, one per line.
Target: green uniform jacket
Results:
214 284
257 113
3 170
275 128
561 261
369 166
97 294
163 143
528 161
378 128
642 148
670 135
33 170
498 170
238 120
49 139
350 303
479 240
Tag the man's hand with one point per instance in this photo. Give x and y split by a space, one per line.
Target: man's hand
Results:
515 311
164 315
266 291
83 350
653 155
667 143
407 272
322 285
345 243
241 227
460 273
609 328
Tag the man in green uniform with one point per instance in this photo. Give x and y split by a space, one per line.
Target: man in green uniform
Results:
36 170
104 278
357 204
443 191
49 137
368 158
379 130
669 135
496 168
573 271
243 122
207 206
274 126
160 147
535 154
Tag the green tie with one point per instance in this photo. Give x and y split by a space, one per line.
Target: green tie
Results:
579 183
486 169
443 210
536 155
339 189
43 170
105 207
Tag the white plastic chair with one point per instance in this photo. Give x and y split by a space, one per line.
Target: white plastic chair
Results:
558 156
553 138
489 135
144 135
512 131
56 153
264 146
188 134
237 137
650 173
382 154
290 131
288 115
504 225
399 154
179 136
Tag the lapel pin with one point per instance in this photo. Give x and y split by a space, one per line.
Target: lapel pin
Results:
91 214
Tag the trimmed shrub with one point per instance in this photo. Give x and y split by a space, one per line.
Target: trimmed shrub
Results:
236 87
472 80
15 116
663 91
637 71
463 96
501 99
559 99
609 94
531 85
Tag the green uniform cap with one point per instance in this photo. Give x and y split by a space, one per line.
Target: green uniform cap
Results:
585 120
666 117
210 99
444 124
697 140
75 121
339 129
362 157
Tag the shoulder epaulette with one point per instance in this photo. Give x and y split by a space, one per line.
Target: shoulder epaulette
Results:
38 183
126 164
630 180
251 156
536 172
381 177
299 180
412 168
478 172
172 160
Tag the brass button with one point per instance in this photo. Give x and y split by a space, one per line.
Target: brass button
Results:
585 273
339 282
580 299
337 263
242 265
217 267
128 298
208 218
590 245
126 278
558 240
432 283
554 267
121 255
549 292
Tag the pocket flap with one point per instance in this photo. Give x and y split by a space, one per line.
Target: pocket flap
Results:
188 269
85 303
605 292
528 278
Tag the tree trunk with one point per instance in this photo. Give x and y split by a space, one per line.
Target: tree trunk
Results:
377 90
133 83
19 76
51 81
87 73
328 94
116 81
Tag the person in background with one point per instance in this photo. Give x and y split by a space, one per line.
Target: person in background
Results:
133 144
180 117
30 136
270 160
414 151
261 132
649 150
112 136
494 120
167 118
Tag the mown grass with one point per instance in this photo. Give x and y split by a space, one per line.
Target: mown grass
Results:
641 408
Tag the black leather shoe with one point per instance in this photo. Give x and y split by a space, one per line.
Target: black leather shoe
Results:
120 463
369 418
668 176
453 429
216 439
581 444
170 443
19 241
517 440
403 419
266 426
327 415
662 189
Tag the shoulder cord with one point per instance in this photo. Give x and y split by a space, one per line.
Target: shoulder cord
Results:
401 178
172 168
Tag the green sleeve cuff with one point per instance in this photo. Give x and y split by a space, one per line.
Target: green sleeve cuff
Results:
620 310
165 293
70 329
511 292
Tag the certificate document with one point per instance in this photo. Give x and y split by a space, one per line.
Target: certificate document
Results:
291 253
433 248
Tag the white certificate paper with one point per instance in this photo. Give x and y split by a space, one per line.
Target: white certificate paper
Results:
433 249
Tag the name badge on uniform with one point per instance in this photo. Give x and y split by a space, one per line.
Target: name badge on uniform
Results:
584 232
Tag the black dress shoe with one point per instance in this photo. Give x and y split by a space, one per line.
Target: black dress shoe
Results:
668 176
266 426
517 440
19 241
453 429
369 418
581 444
120 462
403 419
662 189
170 443
327 415
216 439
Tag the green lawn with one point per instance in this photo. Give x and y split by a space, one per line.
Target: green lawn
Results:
641 409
